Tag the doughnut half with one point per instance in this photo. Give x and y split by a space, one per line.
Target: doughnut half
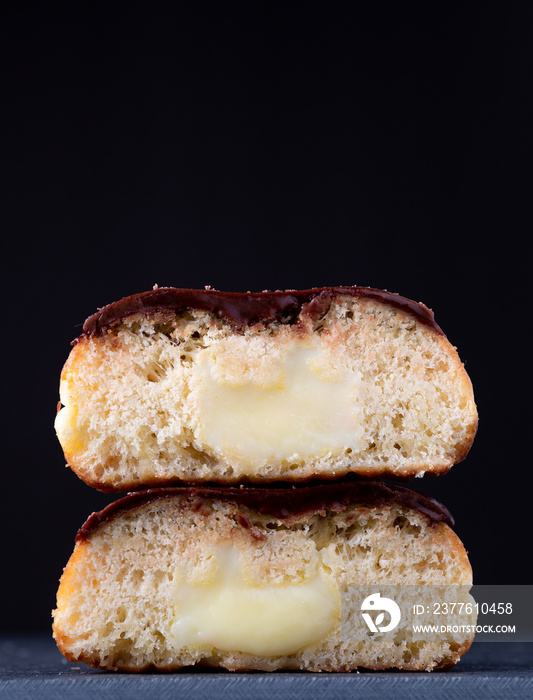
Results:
259 578
194 386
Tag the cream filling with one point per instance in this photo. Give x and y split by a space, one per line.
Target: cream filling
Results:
66 427
296 408
229 613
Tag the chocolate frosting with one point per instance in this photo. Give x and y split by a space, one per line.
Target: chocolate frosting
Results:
284 501
245 309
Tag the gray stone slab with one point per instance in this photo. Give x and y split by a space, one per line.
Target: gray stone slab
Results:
32 667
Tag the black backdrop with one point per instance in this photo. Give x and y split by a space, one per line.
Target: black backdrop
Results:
254 149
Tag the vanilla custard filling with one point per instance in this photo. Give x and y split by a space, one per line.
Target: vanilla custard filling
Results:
232 614
66 426
297 407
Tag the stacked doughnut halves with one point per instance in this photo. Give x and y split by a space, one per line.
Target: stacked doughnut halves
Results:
255 422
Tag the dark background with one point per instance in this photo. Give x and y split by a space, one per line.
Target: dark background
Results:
252 149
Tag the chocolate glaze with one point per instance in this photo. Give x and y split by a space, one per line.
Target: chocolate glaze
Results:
284 501
246 309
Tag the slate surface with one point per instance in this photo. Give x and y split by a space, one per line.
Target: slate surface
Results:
32 667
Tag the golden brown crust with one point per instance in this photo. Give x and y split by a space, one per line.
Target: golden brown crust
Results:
164 482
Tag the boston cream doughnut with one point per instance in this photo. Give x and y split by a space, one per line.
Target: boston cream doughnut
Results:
193 386
258 578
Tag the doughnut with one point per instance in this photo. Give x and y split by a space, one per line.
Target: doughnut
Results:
176 386
262 578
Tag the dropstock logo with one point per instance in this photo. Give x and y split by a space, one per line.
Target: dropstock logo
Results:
376 603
